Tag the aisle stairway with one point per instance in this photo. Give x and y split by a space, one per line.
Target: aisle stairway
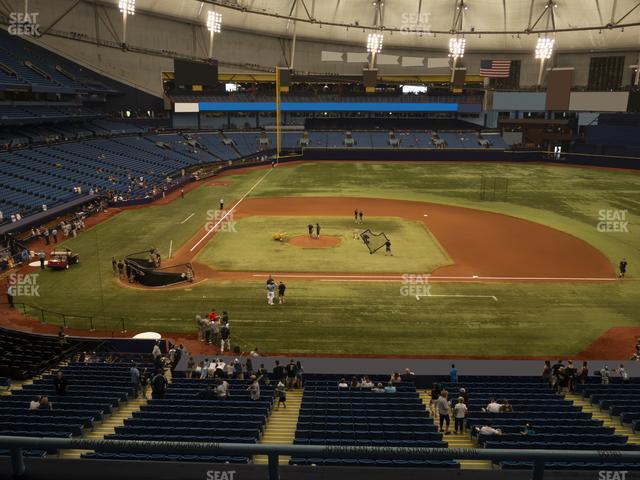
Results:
456 440
281 425
609 421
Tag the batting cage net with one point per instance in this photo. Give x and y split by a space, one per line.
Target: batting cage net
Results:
147 271
373 241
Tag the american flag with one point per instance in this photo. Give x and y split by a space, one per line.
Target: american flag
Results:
495 68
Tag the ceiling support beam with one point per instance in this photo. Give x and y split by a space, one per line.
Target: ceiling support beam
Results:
60 17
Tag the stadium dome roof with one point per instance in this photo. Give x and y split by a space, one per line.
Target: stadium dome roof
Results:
488 25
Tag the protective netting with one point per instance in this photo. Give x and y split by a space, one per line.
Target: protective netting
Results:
373 241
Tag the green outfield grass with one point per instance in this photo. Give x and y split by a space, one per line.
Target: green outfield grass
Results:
328 317
249 247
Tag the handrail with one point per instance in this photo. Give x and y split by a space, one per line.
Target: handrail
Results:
273 451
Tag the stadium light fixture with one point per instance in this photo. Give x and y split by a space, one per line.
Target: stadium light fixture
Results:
374 46
544 48
127 7
214 25
544 51
214 21
456 47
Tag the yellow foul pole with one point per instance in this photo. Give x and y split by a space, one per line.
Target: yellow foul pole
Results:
278 140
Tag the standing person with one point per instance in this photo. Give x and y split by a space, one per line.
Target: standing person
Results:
355 216
278 371
281 393
299 375
156 352
191 365
54 233
623 267
546 372
254 388
144 382
271 292
46 234
42 257
310 228
281 288
135 380
158 385
10 292
453 374
442 406
624 375
114 264
182 193
225 336
584 373
291 372
604 375
121 275
435 394
459 413
60 384
361 215
387 247
221 203
317 230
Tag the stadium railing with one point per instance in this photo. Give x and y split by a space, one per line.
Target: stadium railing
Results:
17 445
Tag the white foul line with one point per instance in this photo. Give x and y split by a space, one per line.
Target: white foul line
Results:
433 277
230 210
495 299
186 219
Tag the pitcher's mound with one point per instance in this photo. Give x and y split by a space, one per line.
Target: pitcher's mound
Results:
325 241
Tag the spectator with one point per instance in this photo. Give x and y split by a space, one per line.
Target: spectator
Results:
291 373
366 382
408 375
135 380
528 430
144 382
62 338
390 388
191 365
254 388
493 406
343 383
299 375
35 403
248 366
435 394
459 413
221 389
505 406
254 352
604 375
225 334
624 375
395 378
378 388
584 373
354 382
442 406
45 404
198 370
281 393
489 430
463 393
453 374
237 370
263 375
156 352
158 385
571 373
204 372
278 371
60 383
